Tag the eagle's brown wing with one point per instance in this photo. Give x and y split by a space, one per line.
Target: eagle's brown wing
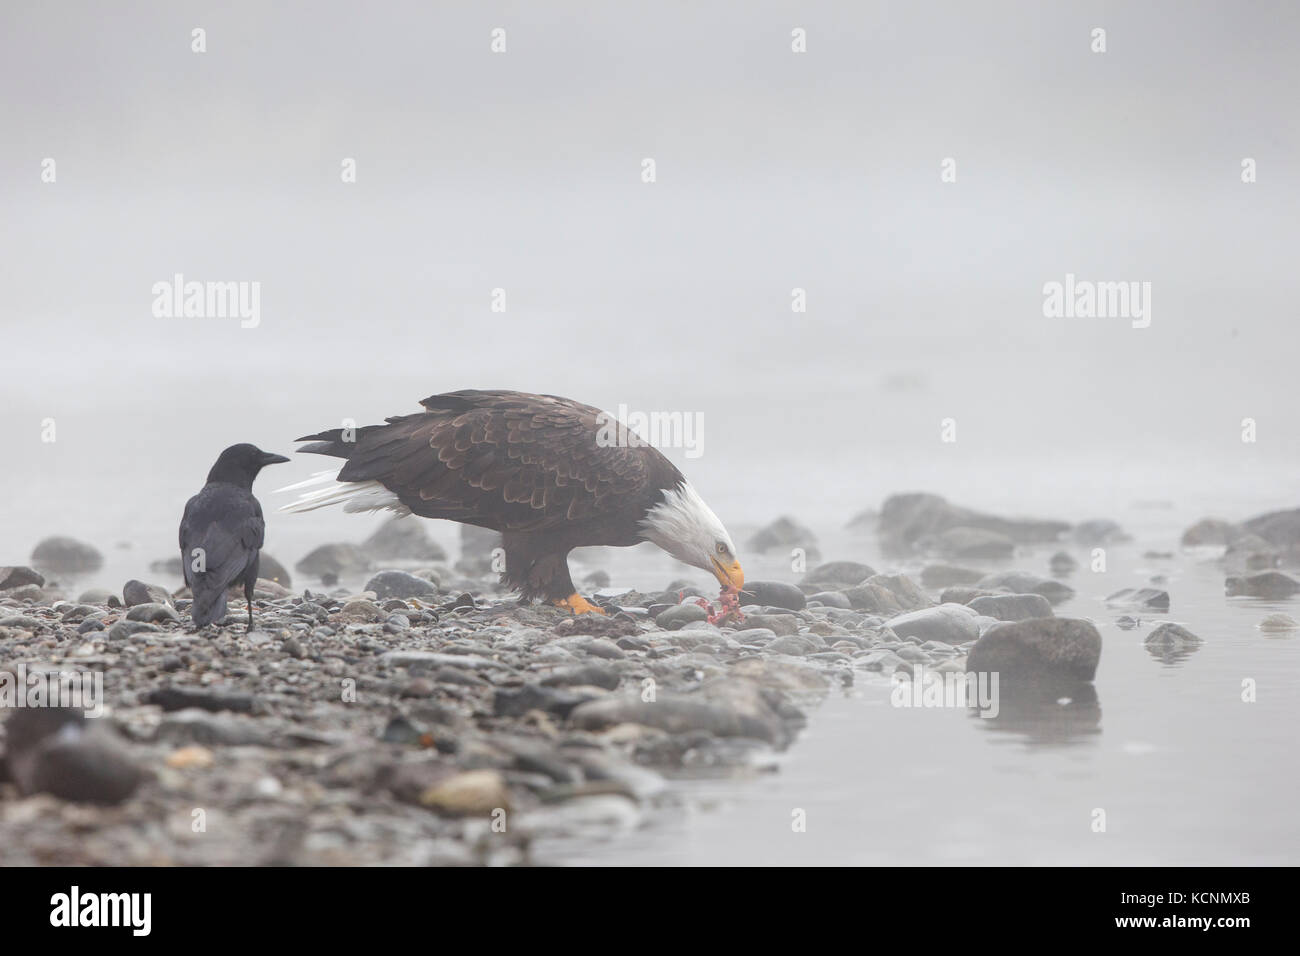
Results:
509 461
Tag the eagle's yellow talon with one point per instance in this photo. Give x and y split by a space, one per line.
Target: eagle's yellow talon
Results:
578 605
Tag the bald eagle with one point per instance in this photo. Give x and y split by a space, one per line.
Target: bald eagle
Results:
549 473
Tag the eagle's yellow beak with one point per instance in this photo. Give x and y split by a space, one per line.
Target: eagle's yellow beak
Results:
729 575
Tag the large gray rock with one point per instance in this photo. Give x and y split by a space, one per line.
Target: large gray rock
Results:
64 555
1268 584
330 562
1055 647
402 539
773 594
1012 607
906 518
1211 532
785 534
1279 528
947 623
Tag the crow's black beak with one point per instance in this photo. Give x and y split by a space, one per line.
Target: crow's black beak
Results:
270 459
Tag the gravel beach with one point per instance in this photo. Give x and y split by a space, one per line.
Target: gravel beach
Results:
423 716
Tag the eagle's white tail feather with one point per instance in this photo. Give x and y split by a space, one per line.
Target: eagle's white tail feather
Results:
352 495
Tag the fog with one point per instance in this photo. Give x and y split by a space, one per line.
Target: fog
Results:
522 171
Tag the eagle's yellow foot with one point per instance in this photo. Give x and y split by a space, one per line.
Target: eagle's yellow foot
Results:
578 605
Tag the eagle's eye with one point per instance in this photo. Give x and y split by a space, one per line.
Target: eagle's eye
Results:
722 547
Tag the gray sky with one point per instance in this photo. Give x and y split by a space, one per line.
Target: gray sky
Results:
775 170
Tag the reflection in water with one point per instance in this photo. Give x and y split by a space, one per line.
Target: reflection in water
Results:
1171 644
1171 653
1046 712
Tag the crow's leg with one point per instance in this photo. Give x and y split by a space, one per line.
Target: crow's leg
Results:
248 596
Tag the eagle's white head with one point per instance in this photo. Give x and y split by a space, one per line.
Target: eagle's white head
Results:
684 526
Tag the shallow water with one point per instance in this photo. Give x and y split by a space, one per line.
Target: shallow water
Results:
1186 772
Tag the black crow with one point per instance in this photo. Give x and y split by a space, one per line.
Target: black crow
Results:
222 532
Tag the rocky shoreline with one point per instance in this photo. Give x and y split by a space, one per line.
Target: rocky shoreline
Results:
423 717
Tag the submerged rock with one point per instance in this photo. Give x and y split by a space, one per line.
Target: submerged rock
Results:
1057 647
1279 622
1172 636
